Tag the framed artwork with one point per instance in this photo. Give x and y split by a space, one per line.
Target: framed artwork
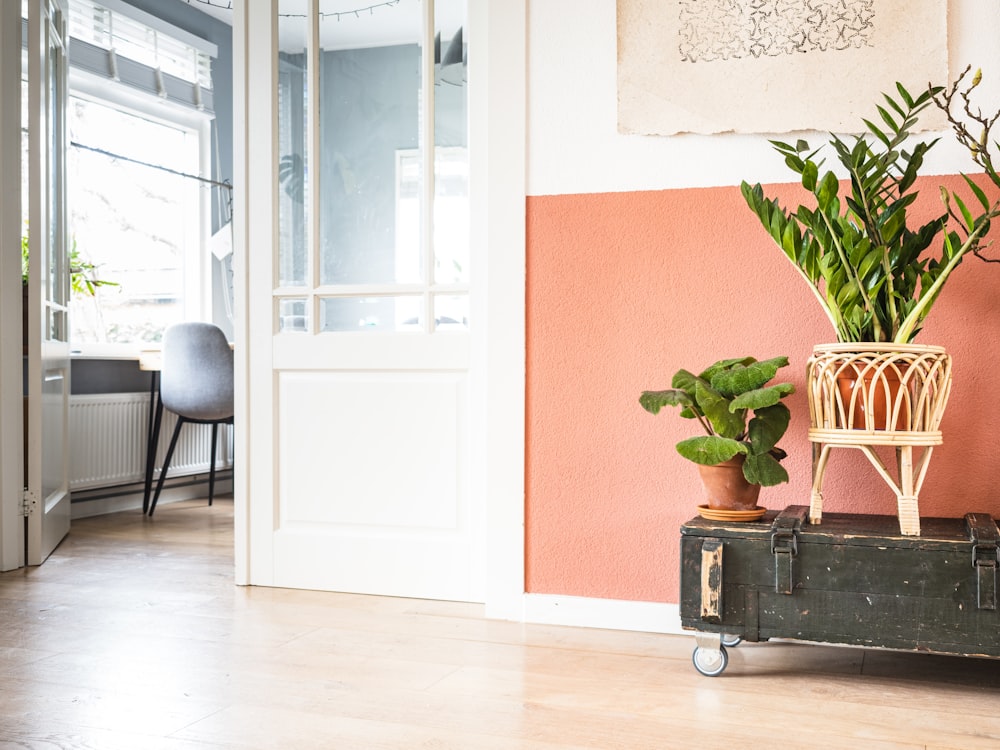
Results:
772 66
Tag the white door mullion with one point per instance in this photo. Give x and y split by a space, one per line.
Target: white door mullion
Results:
312 162
427 163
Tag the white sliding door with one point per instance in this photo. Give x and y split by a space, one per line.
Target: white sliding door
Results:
361 429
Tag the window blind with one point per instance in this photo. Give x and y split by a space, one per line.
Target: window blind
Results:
120 43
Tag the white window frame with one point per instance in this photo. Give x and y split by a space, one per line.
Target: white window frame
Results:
197 263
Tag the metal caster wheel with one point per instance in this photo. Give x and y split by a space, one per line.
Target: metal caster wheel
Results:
732 641
710 662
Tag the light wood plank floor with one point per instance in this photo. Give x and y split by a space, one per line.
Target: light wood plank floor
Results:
133 637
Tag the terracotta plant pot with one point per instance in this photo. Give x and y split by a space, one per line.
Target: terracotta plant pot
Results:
726 488
876 397
918 404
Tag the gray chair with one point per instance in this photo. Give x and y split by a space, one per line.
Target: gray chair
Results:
196 383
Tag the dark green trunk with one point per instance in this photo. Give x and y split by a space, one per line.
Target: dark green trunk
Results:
853 579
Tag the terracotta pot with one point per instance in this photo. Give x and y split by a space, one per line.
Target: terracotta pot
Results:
726 488
874 403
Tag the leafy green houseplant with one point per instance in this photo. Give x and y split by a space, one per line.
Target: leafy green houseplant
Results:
82 273
742 416
877 278
866 266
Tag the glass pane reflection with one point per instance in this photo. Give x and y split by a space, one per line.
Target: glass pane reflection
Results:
402 313
369 103
451 153
293 314
293 195
451 312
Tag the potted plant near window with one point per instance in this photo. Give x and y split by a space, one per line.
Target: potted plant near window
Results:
877 279
83 279
735 457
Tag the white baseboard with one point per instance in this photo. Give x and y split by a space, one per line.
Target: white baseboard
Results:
131 499
610 614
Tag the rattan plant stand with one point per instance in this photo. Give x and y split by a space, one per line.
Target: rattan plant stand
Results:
899 401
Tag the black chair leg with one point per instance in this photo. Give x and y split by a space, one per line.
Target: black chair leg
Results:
152 438
211 470
166 463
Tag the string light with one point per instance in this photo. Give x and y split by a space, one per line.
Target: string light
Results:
228 5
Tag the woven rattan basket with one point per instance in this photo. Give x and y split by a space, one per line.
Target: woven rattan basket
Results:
865 395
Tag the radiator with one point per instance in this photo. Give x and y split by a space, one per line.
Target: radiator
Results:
107 441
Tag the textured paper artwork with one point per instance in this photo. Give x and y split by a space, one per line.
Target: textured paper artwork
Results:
771 66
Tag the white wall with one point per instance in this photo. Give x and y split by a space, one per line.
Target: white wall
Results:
573 143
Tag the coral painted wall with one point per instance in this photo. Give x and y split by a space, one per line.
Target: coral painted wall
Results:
641 259
624 288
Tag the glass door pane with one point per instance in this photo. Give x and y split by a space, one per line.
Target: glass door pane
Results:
373 236
451 157
293 93
57 273
369 102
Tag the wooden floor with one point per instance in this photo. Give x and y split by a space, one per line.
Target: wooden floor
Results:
133 637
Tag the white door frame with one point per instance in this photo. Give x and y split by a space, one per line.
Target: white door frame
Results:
497 144
11 386
497 69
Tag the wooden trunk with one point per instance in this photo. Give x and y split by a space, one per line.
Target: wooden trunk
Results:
852 580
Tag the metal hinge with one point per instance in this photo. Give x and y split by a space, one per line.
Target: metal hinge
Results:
28 503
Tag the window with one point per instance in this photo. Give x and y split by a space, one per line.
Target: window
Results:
139 114
132 223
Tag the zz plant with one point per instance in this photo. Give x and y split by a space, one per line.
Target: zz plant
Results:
856 250
721 399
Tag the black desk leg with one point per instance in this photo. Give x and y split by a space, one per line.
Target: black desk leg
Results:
152 436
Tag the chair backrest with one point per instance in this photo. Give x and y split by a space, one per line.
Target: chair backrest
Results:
197 377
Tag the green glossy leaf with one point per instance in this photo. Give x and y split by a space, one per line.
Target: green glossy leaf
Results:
762 397
877 132
767 427
966 214
907 99
724 364
709 450
980 195
887 119
791 240
716 409
653 401
764 470
746 376
827 191
810 175
685 381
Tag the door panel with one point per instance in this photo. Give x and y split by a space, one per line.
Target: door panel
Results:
381 465
372 496
48 325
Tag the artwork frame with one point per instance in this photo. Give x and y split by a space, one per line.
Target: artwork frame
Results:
771 66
